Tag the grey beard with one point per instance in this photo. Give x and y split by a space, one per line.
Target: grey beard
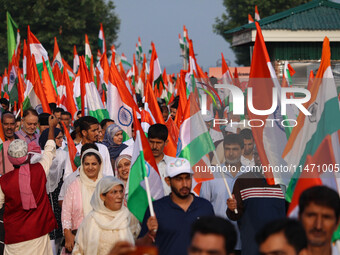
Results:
233 162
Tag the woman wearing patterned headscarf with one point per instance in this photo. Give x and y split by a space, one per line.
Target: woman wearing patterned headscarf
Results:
76 204
107 223
113 140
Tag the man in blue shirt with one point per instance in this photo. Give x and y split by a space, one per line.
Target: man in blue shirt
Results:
169 230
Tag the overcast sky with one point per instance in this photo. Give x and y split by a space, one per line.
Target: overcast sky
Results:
161 21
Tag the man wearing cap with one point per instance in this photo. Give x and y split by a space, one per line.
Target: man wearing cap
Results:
28 216
169 230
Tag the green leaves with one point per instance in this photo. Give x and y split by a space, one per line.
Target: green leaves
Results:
68 20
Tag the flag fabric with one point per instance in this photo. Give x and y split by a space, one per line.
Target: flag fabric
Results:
93 105
75 60
123 60
57 60
72 150
66 95
194 141
270 138
104 71
250 19
48 89
88 53
34 93
227 78
101 39
24 59
324 120
17 48
316 171
155 75
143 165
310 80
257 15
120 102
40 54
11 38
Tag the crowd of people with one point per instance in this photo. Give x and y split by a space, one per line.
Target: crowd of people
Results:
48 208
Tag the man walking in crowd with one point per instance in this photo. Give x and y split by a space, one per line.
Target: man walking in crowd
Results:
8 126
174 214
284 236
28 216
215 190
212 235
319 212
158 139
29 126
257 204
66 117
247 158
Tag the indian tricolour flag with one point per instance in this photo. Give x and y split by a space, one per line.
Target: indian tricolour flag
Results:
75 60
194 140
155 75
319 169
324 120
120 102
143 169
40 54
270 137
92 100
227 78
57 60
101 39
88 53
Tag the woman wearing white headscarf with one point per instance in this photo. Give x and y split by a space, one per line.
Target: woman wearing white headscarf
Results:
107 223
76 204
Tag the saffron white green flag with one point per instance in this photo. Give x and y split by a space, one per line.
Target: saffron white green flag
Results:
40 55
324 120
142 165
194 140
88 53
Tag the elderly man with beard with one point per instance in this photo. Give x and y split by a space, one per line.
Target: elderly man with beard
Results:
215 190
169 230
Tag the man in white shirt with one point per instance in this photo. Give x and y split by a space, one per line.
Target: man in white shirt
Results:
247 158
158 139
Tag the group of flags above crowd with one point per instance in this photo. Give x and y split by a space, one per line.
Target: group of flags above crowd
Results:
107 90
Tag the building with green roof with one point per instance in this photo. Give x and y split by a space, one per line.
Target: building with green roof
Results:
296 35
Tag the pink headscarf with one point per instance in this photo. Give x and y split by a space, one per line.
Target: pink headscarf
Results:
26 194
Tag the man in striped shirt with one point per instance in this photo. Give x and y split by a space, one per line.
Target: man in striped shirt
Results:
257 203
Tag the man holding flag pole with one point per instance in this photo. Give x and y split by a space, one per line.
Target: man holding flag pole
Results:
169 229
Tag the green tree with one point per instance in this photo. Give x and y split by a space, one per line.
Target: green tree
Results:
237 15
68 20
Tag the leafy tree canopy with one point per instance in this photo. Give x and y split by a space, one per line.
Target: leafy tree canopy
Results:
68 20
237 15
